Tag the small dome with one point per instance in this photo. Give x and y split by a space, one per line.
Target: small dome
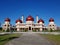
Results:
7 19
18 20
29 18
51 20
40 21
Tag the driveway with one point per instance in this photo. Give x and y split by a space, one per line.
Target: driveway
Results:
29 39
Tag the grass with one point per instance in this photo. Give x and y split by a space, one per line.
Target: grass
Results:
53 38
5 38
51 31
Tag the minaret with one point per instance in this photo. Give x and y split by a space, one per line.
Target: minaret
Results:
36 19
22 18
6 25
52 25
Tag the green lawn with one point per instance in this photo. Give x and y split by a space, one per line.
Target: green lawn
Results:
5 38
53 38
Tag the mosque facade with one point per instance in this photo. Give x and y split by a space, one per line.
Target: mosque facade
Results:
29 25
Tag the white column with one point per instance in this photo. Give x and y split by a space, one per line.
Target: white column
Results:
28 29
40 29
18 29
31 27
36 19
22 18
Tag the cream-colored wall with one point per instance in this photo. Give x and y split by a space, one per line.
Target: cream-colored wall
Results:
7 23
29 22
51 23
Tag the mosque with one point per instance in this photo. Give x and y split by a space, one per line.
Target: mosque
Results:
29 25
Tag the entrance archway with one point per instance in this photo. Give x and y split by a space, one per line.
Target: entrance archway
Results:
29 28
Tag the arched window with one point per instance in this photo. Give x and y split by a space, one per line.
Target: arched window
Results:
53 25
4 25
49 25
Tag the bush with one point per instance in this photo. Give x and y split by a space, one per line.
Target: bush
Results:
25 30
3 30
7 30
51 30
34 30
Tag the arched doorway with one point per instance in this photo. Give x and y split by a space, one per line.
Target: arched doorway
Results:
29 28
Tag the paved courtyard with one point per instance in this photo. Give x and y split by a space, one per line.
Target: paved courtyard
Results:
29 39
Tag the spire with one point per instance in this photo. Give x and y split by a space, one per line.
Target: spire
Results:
22 18
36 19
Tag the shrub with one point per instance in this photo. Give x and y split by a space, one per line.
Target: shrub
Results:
51 30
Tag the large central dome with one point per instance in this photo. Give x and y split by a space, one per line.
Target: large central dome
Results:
29 18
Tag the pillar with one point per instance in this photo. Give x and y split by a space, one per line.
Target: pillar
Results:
18 29
40 29
36 19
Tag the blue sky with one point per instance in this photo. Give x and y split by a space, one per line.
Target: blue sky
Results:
45 9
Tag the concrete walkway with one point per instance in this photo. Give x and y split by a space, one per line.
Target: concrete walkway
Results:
30 39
